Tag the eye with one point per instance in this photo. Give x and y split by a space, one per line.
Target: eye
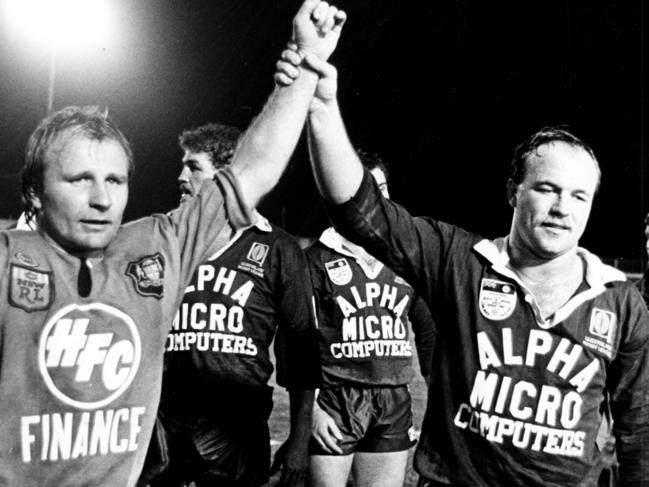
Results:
117 181
77 180
581 197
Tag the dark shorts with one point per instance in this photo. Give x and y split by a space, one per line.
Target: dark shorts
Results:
227 448
371 419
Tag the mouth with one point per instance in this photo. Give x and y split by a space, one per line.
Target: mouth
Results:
95 225
555 226
185 193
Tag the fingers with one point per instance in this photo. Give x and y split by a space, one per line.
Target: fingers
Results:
320 14
322 68
307 8
339 20
291 55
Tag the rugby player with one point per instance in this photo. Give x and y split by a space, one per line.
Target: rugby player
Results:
252 291
363 416
89 301
537 337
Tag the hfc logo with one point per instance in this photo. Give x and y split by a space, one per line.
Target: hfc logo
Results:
88 355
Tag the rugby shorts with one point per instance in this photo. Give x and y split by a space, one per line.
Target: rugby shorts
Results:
371 419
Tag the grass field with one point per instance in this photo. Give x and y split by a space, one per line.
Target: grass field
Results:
279 420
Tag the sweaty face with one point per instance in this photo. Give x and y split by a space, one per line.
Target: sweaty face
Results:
553 202
85 190
379 177
197 166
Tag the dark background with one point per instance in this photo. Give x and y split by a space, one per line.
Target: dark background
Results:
443 90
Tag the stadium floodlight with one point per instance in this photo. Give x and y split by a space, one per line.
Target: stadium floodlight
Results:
60 25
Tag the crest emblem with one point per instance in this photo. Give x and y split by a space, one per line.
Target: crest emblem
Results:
148 275
258 253
339 271
29 289
25 259
497 299
603 324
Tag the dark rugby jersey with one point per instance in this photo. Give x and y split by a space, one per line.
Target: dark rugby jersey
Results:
80 377
235 303
365 313
515 399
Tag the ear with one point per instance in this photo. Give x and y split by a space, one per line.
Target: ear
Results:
35 200
512 190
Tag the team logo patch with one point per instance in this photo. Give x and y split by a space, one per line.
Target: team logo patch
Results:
25 260
603 324
339 271
148 275
29 289
88 355
497 299
258 253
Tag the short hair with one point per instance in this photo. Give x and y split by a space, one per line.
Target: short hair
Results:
546 135
215 139
91 122
372 161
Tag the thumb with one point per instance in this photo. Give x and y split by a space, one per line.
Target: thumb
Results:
322 68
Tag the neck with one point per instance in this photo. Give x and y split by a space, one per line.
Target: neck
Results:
536 267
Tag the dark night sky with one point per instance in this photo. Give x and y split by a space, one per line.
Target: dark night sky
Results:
443 90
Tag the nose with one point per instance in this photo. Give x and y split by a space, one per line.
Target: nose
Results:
183 177
561 204
100 196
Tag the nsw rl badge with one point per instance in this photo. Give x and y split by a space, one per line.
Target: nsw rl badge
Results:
147 274
29 289
497 299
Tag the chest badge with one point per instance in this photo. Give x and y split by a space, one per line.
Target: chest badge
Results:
339 271
497 299
147 274
258 253
29 289
603 324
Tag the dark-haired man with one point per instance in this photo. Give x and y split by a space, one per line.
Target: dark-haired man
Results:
537 336
253 291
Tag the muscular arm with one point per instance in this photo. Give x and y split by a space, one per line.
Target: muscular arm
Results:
267 145
337 169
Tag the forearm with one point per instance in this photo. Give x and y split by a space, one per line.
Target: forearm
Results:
301 412
266 147
337 169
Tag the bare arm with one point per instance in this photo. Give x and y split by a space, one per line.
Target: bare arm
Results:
337 169
266 147
293 455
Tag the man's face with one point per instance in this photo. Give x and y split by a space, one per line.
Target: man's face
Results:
85 190
379 177
553 202
197 166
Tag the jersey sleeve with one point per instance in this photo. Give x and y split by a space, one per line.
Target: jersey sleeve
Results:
628 385
415 248
423 326
296 343
643 287
207 222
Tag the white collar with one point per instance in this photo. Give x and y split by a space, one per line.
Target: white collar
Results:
597 276
336 242
261 222
24 224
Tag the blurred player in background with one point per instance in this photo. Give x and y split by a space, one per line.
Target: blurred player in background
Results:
215 398
363 415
